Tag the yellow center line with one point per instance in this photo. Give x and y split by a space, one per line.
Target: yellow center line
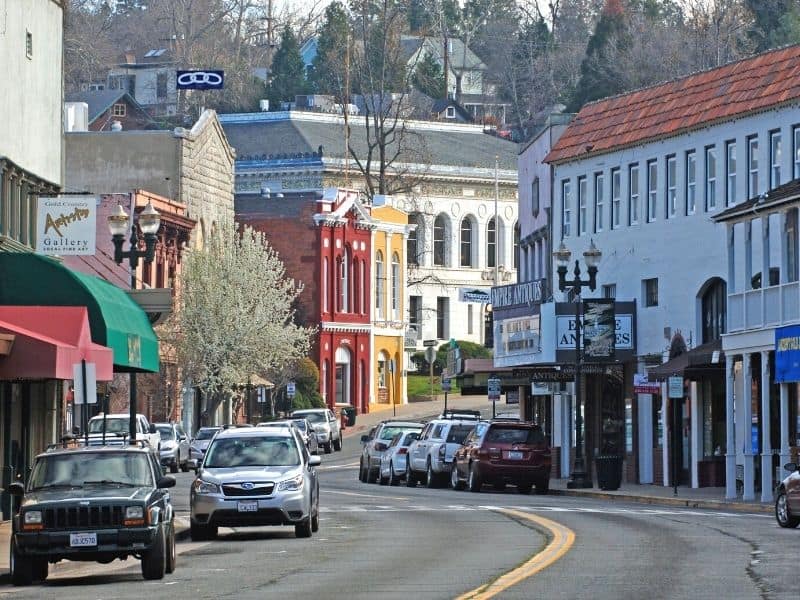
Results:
562 541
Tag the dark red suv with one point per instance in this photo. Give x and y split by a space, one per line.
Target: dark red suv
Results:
502 452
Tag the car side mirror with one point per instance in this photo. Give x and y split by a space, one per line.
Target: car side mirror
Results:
16 489
152 428
314 460
364 439
166 481
790 466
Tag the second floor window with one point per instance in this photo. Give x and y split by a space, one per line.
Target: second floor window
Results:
672 188
633 194
615 198
566 208
491 243
610 290
691 183
439 241
466 243
650 292
752 167
796 151
345 282
711 178
730 173
652 190
380 284
516 248
775 151
412 244
599 202
395 286
582 208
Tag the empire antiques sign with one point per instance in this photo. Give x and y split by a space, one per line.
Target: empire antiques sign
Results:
624 319
507 296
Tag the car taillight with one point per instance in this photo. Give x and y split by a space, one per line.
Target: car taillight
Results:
494 452
380 447
402 451
442 451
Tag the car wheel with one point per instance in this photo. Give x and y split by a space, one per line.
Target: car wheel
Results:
154 561
525 488
172 556
185 465
782 514
201 533
337 445
455 482
315 521
474 482
173 466
372 476
430 477
40 569
543 486
393 478
411 481
328 448
21 568
381 479
362 472
303 529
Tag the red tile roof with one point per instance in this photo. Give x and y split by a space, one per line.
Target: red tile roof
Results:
746 86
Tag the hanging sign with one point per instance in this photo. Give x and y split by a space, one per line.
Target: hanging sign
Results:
197 79
642 385
598 330
787 354
675 387
66 225
89 383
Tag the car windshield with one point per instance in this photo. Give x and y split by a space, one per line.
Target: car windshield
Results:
389 432
78 469
251 451
515 435
458 433
167 432
301 425
206 433
113 425
315 417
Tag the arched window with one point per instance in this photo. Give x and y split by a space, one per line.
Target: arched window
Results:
380 285
345 283
516 247
324 378
439 245
413 250
325 284
491 243
364 288
395 287
355 289
713 310
466 242
383 368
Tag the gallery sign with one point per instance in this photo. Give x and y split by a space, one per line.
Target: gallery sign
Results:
66 225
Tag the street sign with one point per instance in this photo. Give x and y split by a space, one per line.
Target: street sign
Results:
430 354
493 385
429 343
446 387
675 387
290 389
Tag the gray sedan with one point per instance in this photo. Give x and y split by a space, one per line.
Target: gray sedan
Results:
395 458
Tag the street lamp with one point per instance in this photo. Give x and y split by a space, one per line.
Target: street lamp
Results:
149 222
580 478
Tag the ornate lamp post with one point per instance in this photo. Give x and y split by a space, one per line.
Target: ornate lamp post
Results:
580 478
149 222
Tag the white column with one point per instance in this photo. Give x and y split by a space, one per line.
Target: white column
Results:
747 421
645 437
730 431
695 441
766 430
785 453
665 432
566 433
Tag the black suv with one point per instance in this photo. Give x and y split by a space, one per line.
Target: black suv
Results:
93 504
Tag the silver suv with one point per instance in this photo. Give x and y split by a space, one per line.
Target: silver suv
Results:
255 476
430 457
326 426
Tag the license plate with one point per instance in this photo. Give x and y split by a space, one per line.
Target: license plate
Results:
514 455
247 506
79 540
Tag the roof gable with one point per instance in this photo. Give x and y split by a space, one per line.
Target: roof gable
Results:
747 86
100 101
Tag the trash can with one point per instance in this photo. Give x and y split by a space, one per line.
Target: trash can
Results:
609 471
350 413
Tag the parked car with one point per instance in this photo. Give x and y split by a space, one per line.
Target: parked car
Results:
430 458
378 440
393 459
502 452
787 502
255 476
95 503
199 444
326 426
174 450
117 428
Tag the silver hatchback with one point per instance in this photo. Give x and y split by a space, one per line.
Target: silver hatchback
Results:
254 477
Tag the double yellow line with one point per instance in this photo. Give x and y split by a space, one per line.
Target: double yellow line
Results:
559 545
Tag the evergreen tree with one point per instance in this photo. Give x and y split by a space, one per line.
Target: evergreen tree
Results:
775 23
328 69
428 77
600 74
288 72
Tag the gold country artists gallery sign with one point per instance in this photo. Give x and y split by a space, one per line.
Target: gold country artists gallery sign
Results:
66 225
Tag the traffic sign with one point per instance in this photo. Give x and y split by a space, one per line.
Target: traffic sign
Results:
429 343
446 387
290 389
493 385
430 354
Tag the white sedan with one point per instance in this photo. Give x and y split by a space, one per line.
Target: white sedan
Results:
393 459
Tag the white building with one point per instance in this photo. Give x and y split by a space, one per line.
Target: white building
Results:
150 78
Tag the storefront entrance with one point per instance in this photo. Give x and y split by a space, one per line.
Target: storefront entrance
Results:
342 393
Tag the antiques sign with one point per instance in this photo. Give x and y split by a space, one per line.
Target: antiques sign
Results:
598 330
624 332
66 225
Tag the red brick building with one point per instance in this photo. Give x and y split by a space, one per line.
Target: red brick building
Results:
325 243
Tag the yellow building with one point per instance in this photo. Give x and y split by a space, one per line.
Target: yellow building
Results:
389 314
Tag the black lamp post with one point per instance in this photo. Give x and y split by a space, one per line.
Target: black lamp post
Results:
580 478
149 222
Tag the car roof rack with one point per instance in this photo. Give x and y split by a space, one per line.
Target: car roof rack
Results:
115 440
455 413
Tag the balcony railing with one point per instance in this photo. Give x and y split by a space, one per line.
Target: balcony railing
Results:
766 307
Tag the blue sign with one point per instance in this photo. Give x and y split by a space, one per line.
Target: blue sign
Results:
446 386
197 79
756 449
787 354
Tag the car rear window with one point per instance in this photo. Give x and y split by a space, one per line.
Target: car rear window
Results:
515 435
458 433
388 433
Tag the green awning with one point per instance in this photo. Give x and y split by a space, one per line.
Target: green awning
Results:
115 319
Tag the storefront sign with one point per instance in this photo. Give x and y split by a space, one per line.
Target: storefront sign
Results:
675 387
623 332
506 296
474 295
66 225
641 385
598 330
520 336
787 354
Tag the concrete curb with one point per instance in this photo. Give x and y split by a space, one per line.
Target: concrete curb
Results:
682 502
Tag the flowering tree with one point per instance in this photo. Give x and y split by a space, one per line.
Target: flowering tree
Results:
234 316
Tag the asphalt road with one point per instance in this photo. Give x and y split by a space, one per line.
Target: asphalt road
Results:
400 543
